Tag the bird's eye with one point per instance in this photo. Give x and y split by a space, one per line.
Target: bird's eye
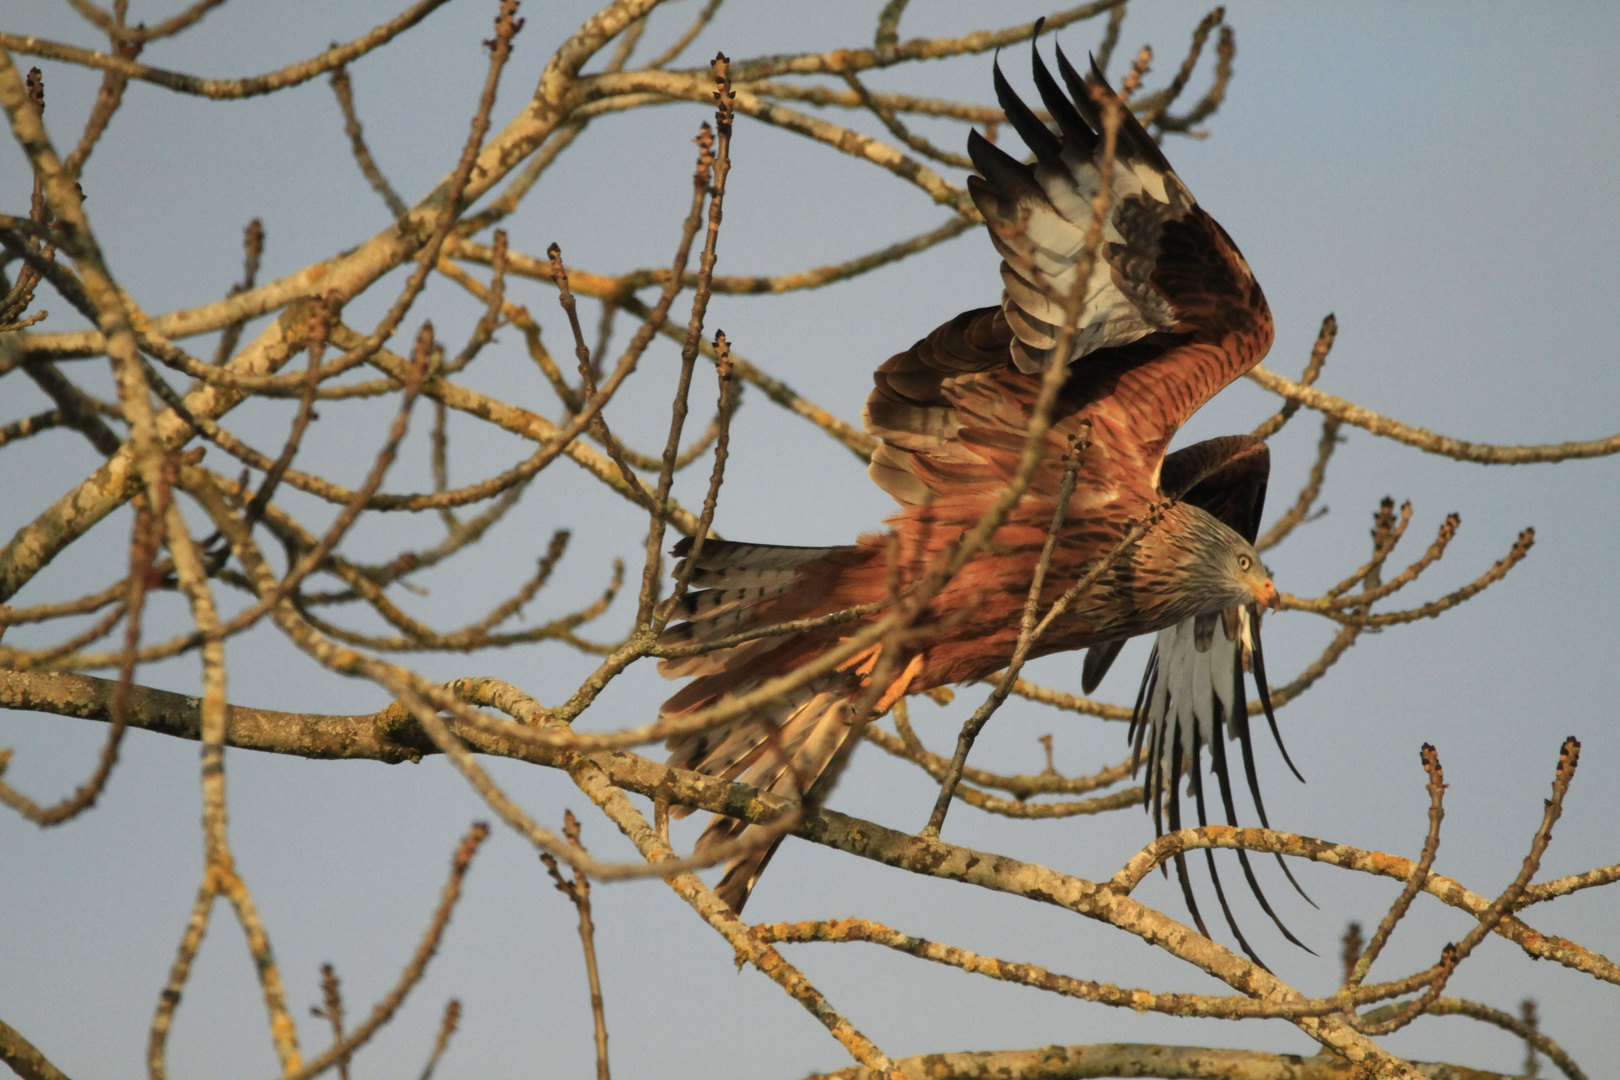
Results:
1243 562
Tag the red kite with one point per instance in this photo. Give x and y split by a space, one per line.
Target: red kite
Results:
1171 314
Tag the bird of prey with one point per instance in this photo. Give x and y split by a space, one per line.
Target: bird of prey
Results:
1169 314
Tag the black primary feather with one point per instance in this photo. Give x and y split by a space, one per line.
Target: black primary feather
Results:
1047 147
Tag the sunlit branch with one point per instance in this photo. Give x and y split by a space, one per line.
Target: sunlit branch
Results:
227 89
1424 439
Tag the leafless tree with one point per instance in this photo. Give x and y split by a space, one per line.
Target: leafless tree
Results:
254 535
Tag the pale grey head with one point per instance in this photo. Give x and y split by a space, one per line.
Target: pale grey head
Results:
1216 567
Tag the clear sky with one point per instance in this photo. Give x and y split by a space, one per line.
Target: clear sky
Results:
1440 177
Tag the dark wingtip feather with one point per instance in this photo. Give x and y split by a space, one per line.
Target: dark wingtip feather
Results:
1036 135
1078 91
1139 729
1099 658
1209 854
1240 724
1265 699
1133 137
1003 183
1006 173
1097 75
1175 826
1070 122
1218 765
1187 895
1138 717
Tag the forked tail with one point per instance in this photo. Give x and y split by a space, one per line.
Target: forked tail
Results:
786 744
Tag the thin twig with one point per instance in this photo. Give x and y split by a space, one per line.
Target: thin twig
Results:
1420 872
1335 600
888 24
1199 1005
108 99
139 35
1433 609
228 89
84 605
1313 370
900 131
1214 97
1534 1039
579 892
447 1028
331 1010
971 729
319 322
1153 106
719 168
1422 438
343 89
252 252
1301 510
1453 955
384 1010
24 1057
722 447
582 353
719 915
1017 807
157 1036
1532 1027
689 35
1110 41
1351 947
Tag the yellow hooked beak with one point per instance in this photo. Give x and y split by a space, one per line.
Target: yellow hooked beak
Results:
1267 594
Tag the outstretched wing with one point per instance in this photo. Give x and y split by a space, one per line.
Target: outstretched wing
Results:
1169 313
1193 698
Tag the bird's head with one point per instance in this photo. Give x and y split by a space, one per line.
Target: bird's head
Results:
1225 568
1251 573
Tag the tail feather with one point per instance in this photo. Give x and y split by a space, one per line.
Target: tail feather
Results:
784 747
736 587
742 873
785 755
